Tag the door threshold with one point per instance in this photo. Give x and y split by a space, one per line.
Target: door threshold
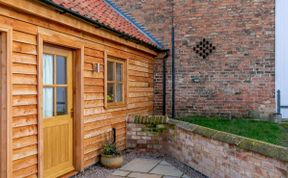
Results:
69 174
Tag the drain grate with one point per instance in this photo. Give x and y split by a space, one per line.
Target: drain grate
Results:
204 48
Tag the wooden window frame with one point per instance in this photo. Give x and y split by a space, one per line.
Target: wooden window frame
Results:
58 39
115 60
5 103
115 82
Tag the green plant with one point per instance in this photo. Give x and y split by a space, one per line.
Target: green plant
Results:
110 149
260 130
109 98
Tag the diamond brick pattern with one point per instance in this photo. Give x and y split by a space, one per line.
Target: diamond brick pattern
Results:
204 48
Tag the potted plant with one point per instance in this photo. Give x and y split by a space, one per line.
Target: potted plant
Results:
111 157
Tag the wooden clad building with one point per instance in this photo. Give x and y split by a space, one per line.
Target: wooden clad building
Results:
71 71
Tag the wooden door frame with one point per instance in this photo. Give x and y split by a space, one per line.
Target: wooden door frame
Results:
55 38
6 98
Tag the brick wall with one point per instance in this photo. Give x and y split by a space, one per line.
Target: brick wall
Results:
238 78
146 133
211 157
142 138
158 86
218 159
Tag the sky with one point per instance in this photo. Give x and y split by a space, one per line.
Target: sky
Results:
282 52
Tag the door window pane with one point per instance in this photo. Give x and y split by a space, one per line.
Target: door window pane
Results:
110 71
48 69
110 92
61 96
48 102
118 72
61 70
119 91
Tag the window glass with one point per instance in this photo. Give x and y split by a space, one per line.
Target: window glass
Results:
61 70
118 72
110 92
110 72
119 93
48 69
61 100
48 100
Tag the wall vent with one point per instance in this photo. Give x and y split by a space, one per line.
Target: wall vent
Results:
204 48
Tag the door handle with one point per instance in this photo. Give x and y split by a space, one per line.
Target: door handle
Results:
72 112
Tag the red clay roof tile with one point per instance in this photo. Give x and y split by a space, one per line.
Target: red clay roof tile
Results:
102 12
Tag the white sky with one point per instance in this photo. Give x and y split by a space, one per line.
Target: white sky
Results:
282 51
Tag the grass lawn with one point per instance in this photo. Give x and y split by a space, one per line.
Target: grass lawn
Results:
260 130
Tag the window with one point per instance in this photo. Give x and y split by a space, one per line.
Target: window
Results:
115 82
54 85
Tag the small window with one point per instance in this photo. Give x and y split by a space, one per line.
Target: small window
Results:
115 83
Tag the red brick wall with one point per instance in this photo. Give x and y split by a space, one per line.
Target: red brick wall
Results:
211 157
217 159
238 78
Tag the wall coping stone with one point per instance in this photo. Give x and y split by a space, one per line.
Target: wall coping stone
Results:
148 119
267 149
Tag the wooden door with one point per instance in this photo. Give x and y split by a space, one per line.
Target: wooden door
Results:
57 111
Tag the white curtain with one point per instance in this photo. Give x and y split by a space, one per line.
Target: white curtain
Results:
48 102
119 92
48 96
47 69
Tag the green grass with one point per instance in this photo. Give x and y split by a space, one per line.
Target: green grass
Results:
260 130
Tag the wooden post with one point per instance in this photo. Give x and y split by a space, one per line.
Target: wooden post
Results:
5 103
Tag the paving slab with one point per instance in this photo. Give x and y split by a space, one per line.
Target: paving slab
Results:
143 175
140 165
148 168
164 163
120 173
166 170
113 176
170 177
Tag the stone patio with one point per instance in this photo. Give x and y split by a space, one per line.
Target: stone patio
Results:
98 171
148 168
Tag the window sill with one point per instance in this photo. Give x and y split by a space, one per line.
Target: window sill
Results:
115 106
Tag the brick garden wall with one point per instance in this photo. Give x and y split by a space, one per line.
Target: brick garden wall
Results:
217 159
145 133
238 78
142 138
191 145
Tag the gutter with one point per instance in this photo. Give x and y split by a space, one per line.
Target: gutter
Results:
63 10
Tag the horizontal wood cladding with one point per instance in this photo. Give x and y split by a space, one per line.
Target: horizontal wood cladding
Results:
24 99
98 121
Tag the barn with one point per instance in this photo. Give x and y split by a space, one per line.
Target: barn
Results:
71 72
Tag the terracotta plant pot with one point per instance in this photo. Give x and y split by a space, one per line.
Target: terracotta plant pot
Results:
112 162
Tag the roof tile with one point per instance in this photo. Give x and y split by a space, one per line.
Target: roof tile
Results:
103 12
